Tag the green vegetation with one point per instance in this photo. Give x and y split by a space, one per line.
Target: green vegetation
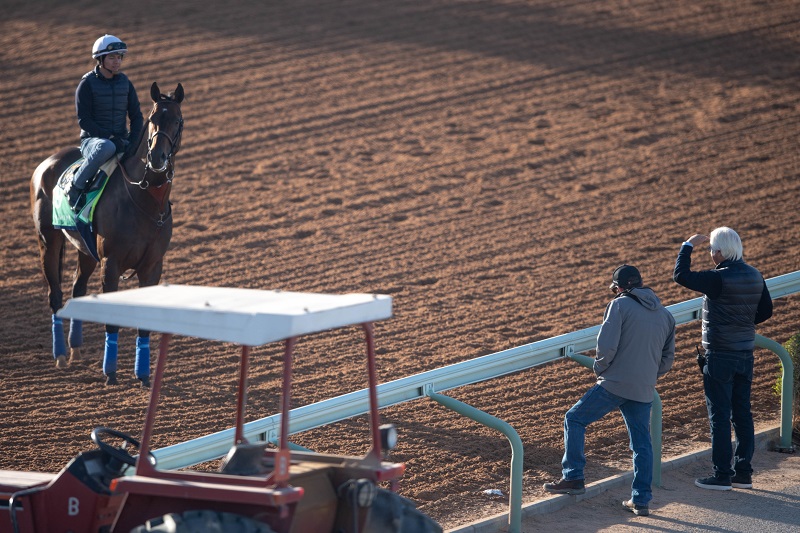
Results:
793 347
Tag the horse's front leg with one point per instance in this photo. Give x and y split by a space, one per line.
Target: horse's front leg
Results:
86 266
110 273
142 365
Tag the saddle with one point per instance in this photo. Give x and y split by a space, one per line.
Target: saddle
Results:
63 215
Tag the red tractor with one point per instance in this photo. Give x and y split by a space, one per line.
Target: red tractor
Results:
258 488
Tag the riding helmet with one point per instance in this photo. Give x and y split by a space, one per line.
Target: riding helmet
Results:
108 44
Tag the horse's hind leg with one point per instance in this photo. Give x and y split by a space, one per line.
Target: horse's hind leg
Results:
51 240
86 266
142 366
51 253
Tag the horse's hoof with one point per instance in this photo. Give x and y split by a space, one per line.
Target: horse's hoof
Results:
61 361
111 379
74 355
145 382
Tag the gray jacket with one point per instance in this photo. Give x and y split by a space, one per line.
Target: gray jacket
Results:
635 346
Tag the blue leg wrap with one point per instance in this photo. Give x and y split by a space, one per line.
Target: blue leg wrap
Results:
75 333
110 355
59 346
142 365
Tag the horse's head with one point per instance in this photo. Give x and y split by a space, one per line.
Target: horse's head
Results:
165 129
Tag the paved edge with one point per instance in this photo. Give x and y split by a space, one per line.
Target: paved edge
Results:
765 440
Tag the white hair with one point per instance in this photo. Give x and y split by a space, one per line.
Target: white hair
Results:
727 242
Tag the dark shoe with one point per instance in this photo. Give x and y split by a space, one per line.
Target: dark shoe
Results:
564 486
638 510
742 481
713 483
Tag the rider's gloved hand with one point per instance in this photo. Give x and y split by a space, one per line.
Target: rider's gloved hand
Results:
119 143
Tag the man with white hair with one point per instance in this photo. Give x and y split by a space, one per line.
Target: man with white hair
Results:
735 299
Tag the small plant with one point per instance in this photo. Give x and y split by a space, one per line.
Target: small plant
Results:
793 347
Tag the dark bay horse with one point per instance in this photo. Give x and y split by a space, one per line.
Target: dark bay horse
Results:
132 221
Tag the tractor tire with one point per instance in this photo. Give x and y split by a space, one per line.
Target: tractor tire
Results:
202 522
391 513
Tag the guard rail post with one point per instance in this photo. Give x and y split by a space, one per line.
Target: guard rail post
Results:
515 486
787 386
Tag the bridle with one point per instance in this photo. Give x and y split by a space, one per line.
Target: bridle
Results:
174 142
168 169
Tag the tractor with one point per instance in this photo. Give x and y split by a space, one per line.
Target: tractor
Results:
258 487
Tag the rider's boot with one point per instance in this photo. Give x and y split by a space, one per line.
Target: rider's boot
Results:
75 197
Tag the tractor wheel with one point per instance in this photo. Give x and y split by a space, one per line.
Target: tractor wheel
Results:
202 522
391 513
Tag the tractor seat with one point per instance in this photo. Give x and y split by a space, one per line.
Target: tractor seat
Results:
246 460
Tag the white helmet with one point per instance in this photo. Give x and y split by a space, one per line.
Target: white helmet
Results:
108 44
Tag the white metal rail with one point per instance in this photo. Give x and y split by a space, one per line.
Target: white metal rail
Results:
483 368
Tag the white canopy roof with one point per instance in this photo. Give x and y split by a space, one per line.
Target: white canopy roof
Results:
244 316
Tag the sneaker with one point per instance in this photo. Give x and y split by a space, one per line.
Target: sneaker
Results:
565 486
638 510
742 481
713 483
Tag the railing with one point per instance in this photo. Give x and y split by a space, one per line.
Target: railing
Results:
430 383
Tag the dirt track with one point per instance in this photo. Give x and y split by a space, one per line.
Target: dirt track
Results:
488 164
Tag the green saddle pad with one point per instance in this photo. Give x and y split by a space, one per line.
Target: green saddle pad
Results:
63 215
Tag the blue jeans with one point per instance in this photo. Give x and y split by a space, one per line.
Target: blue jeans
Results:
96 151
594 405
727 378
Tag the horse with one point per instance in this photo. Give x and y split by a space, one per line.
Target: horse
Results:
133 226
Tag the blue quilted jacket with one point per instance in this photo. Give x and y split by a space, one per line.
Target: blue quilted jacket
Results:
104 105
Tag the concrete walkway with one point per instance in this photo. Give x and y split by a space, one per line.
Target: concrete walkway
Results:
773 504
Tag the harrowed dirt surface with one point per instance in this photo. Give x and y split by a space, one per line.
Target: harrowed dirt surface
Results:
486 163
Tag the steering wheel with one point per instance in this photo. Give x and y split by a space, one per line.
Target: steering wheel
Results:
120 454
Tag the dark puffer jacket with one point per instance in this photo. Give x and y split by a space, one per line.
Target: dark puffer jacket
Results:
104 105
729 320
735 299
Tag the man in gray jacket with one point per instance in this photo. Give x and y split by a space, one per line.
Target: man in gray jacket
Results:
635 346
